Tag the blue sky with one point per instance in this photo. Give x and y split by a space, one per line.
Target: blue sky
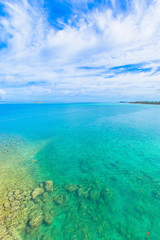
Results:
79 50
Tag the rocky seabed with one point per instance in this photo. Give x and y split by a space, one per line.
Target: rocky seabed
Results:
24 210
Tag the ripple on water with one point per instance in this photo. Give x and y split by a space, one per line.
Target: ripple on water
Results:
33 206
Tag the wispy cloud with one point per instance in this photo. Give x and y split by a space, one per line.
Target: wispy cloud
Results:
2 94
105 53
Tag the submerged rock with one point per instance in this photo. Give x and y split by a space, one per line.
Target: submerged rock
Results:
3 231
1 210
8 237
45 197
47 208
17 192
14 233
37 192
19 197
10 194
6 206
15 203
94 195
59 199
11 198
48 185
48 218
15 209
35 219
71 187
22 208
106 193
25 193
82 193
28 198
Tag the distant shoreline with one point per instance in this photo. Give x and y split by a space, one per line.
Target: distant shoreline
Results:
143 102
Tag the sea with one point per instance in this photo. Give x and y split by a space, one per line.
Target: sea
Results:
80 171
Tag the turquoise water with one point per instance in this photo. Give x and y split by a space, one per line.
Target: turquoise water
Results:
108 153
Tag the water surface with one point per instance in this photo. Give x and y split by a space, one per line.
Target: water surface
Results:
103 159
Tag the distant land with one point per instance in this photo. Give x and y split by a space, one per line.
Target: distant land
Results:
145 102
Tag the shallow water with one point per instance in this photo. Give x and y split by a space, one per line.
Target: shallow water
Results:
103 159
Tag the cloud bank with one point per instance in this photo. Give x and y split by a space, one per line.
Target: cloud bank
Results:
103 52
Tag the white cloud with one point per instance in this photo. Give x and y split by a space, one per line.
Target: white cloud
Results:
37 52
2 94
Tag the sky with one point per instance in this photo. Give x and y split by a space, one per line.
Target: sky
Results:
79 50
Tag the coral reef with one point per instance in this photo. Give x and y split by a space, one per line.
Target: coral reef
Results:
30 208
71 187
21 208
35 218
48 185
37 192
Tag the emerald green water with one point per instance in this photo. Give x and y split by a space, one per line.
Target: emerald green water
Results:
109 152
